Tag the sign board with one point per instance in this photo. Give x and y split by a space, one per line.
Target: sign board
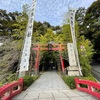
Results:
72 12
27 43
71 54
72 23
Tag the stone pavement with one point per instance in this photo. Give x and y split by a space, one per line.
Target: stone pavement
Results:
50 86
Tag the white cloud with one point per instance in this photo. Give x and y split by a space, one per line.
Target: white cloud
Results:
13 5
47 10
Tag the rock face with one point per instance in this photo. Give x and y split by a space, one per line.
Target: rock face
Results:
9 57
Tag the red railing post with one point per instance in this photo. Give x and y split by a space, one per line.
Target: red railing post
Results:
92 88
20 87
9 90
76 80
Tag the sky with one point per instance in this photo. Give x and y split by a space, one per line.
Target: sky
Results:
52 11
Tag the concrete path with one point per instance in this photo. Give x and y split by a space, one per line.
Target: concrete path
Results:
50 86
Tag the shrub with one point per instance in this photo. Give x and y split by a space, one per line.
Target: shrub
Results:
11 77
28 80
89 78
69 80
85 55
35 77
8 79
1 84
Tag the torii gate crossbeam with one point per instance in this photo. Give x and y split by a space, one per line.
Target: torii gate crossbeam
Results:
55 47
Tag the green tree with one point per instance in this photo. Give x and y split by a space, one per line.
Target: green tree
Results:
67 33
85 48
6 22
80 16
19 27
86 52
91 26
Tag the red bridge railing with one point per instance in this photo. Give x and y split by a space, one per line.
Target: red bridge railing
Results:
10 90
90 87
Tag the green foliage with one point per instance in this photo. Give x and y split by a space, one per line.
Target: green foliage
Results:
1 84
6 22
69 80
66 33
10 53
13 26
19 45
39 28
49 36
12 77
86 51
8 79
19 27
28 80
91 78
80 15
90 27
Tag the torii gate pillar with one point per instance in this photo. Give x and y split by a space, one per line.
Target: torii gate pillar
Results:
55 47
37 60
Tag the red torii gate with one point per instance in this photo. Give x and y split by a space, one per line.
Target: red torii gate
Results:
49 46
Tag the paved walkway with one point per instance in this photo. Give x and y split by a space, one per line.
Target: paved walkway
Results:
50 86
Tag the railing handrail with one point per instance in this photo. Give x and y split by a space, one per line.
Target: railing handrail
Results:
91 88
7 91
95 71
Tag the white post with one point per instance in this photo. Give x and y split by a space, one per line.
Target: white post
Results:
72 26
27 42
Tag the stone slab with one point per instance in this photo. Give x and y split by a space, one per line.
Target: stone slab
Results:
50 86
59 95
78 98
45 96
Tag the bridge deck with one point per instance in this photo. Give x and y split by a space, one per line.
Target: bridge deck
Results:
50 86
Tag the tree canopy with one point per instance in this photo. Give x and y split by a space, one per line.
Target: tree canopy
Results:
90 27
13 25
